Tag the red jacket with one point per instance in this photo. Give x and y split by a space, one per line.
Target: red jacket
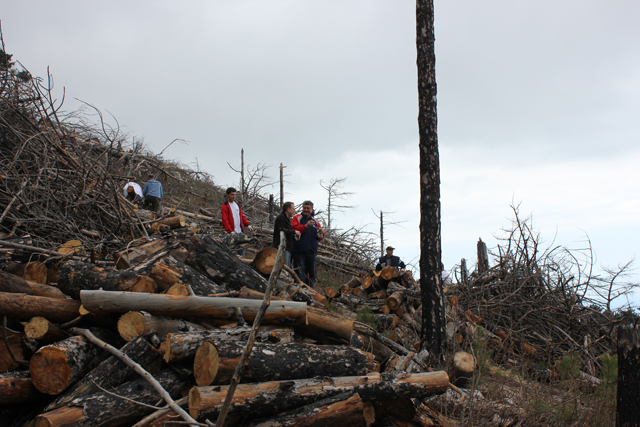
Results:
227 218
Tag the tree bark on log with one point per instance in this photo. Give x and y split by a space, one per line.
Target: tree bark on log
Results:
102 409
279 312
135 323
17 387
43 331
263 399
220 265
344 410
328 326
24 307
179 346
110 372
56 367
76 276
48 291
278 362
14 284
170 272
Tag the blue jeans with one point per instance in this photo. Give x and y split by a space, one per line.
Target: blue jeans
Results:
287 259
305 267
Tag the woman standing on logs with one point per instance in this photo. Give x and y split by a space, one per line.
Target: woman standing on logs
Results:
283 223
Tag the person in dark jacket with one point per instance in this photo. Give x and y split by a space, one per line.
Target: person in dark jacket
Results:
389 259
305 250
283 223
152 193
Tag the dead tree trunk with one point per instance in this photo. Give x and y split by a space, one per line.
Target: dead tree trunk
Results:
433 320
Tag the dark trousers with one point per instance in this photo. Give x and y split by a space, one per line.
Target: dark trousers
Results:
151 203
305 267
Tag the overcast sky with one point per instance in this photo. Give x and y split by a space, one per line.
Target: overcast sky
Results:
538 103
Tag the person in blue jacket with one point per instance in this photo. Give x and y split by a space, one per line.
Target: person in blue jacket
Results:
306 248
389 259
152 193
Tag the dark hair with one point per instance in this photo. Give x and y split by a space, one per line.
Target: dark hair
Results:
307 202
286 206
150 176
231 190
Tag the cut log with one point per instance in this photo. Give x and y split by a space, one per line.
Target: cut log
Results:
135 255
344 410
263 399
177 221
387 275
271 362
18 349
378 295
76 276
17 387
463 366
170 272
177 289
278 313
135 323
24 307
328 326
43 331
102 409
401 409
48 291
179 346
220 265
408 281
351 301
265 259
56 367
330 292
36 271
14 284
71 247
110 372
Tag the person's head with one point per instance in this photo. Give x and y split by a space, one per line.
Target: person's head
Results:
149 177
289 209
130 189
390 250
231 194
307 207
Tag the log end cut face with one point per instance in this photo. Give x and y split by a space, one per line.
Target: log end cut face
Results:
50 370
130 325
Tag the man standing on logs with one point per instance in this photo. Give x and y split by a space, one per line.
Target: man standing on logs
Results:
233 220
389 260
283 223
306 249
152 193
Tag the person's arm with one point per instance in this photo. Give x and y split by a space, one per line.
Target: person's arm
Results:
379 265
320 231
225 212
161 191
146 190
245 222
401 264
295 224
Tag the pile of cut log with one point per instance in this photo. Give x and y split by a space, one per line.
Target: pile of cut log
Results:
160 339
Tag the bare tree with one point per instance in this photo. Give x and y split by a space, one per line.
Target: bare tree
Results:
253 179
433 318
334 192
382 225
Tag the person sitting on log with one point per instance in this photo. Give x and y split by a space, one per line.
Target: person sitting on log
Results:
390 260
133 192
152 193
283 223
305 249
233 220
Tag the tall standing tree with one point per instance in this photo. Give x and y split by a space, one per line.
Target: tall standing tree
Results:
433 317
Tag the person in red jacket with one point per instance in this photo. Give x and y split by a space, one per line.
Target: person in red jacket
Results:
306 248
233 220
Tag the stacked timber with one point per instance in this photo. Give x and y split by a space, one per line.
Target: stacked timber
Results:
180 315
